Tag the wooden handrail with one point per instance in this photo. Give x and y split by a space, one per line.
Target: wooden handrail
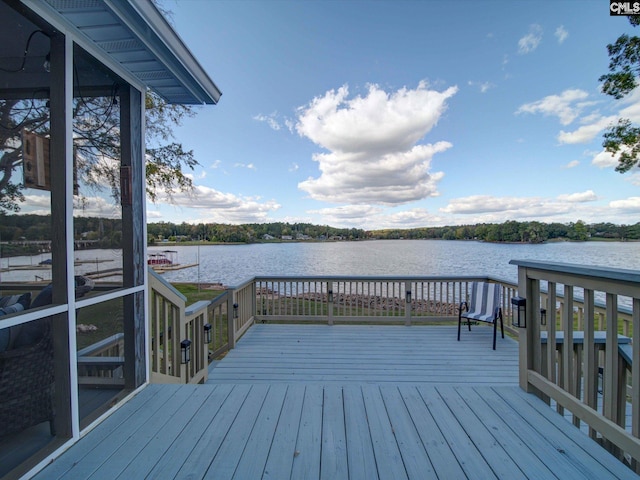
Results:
565 366
171 322
330 299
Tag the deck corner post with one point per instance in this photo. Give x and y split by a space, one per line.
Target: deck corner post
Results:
527 335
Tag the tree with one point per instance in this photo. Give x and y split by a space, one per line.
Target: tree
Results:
623 138
97 145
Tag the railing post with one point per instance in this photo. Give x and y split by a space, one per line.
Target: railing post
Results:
231 330
330 302
529 337
407 303
182 335
254 296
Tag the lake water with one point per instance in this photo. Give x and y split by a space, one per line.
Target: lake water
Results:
233 264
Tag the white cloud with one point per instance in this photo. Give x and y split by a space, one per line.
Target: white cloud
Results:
580 197
488 203
96 207
371 217
37 200
413 218
290 124
634 179
294 167
628 204
566 106
271 120
372 142
531 40
487 208
632 110
586 133
248 166
605 160
222 207
215 164
482 86
347 212
572 164
561 34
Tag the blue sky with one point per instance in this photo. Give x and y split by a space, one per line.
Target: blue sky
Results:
402 114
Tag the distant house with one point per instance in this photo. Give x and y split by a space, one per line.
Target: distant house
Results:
266 236
302 236
287 237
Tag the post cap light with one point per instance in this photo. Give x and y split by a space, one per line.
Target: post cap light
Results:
185 346
543 316
519 305
207 333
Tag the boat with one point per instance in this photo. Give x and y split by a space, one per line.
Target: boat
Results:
163 258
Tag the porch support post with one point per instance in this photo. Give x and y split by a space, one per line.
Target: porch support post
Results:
64 340
132 198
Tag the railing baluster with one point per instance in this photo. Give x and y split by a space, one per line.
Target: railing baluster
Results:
611 386
551 332
567 350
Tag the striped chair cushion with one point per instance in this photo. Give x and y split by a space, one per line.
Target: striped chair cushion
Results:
483 301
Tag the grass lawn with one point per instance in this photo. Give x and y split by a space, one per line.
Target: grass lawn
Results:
194 293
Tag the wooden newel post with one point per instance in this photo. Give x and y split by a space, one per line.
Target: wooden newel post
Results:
407 303
330 302
529 334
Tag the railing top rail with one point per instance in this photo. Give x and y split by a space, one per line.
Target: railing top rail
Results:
606 273
368 278
158 277
220 298
196 307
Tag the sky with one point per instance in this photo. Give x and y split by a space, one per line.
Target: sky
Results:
403 114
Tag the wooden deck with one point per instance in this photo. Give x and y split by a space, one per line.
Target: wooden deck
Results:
343 402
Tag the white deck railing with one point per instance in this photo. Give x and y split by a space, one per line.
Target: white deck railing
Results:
367 299
566 366
171 322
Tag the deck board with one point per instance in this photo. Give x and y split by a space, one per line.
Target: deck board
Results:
168 452
362 354
347 424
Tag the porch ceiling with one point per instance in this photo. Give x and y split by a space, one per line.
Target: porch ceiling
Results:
138 37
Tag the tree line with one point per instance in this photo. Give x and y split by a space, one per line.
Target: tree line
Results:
107 233
510 231
248 233
518 232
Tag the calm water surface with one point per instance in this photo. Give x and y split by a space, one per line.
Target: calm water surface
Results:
233 264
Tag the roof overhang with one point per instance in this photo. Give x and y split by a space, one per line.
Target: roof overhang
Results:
138 38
